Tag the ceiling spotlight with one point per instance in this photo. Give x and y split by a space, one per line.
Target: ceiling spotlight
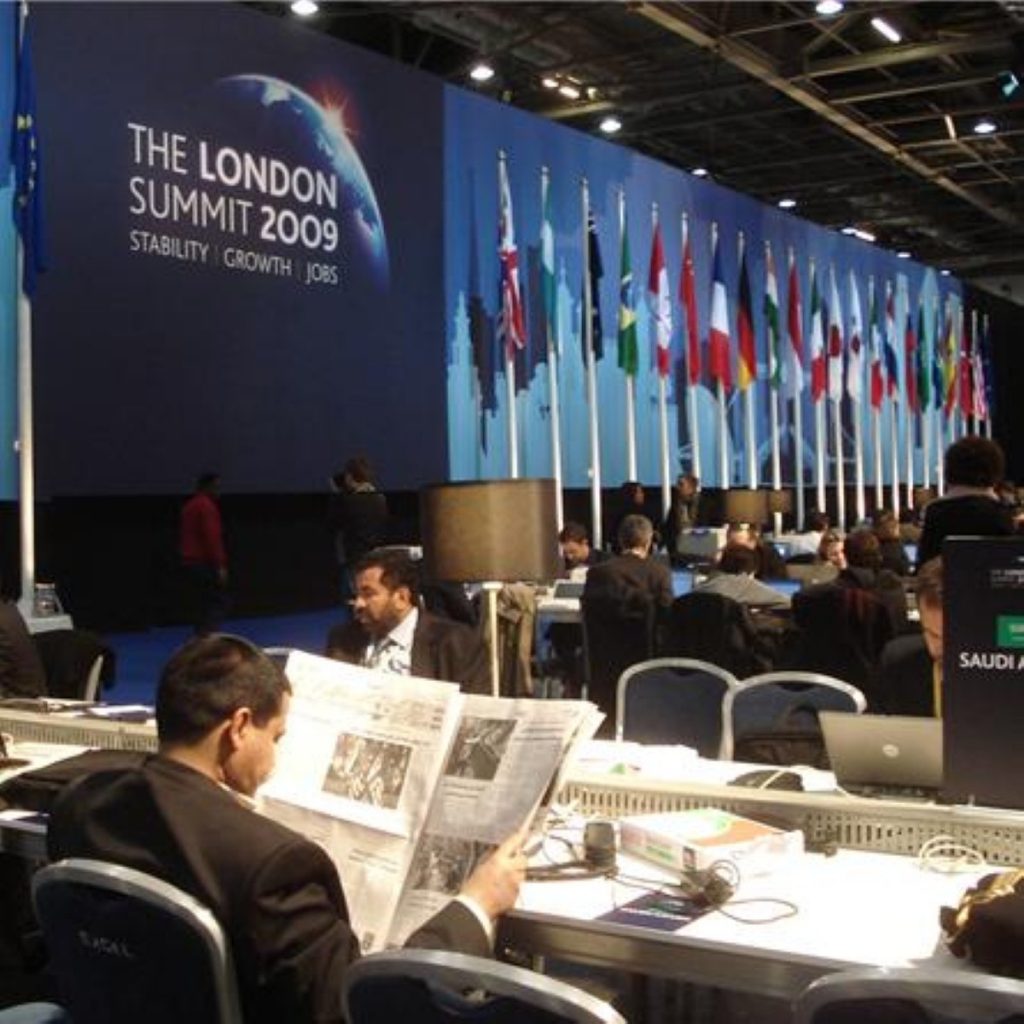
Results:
985 126
304 8
549 83
828 7
787 204
570 92
903 255
610 125
849 231
481 72
699 172
883 27
944 272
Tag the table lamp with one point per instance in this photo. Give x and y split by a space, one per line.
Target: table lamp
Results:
490 532
746 505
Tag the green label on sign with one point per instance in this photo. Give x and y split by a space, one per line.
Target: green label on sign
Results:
1010 631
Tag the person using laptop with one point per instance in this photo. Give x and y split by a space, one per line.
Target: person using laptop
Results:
576 550
736 579
910 673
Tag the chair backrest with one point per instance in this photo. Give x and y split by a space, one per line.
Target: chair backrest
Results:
126 947
910 996
676 700
713 628
429 987
614 638
778 699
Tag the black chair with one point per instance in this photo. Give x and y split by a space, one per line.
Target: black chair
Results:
715 629
429 987
615 636
676 700
127 948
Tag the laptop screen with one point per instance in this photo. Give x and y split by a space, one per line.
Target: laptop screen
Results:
897 750
682 581
910 550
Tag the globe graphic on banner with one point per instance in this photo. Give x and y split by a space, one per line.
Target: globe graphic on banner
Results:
317 138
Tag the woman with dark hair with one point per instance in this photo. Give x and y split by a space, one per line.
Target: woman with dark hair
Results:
975 466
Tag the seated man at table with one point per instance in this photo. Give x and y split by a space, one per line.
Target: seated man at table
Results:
910 674
390 632
576 550
735 578
632 572
186 815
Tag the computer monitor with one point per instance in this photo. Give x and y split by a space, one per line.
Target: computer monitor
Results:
682 581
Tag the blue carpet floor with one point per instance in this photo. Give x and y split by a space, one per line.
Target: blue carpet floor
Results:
142 655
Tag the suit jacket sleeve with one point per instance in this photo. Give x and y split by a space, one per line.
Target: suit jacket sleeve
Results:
455 928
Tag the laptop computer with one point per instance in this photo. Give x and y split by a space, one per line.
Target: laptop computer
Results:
897 751
568 589
682 581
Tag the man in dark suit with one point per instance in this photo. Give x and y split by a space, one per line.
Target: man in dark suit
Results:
185 815
391 633
631 575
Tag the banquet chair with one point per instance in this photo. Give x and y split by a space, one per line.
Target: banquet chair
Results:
126 947
910 996
435 987
676 700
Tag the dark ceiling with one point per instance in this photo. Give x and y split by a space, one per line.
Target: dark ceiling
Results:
773 99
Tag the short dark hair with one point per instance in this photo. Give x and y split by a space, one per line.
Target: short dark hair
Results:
208 680
397 569
863 549
573 531
635 531
817 521
928 583
974 461
360 469
738 558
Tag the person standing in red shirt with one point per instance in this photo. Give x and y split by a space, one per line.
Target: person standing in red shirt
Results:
203 558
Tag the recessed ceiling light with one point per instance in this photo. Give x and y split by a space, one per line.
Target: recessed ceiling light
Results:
699 172
828 7
592 92
944 272
610 125
985 127
787 204
849 231
570 92
903 255
304 8
549 83
481 72
882 26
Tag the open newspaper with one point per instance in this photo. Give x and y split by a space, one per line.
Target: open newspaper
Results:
408 782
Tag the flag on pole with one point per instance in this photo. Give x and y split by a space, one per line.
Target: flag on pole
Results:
718 340
949 366
819 360
966 386
924 372
627 306
938 392
892 370
875 342
596 270
835 340
511 328
688 297
909 361
661 303
980 380
746 362
771 317
855 354
547 267
28 209
795 329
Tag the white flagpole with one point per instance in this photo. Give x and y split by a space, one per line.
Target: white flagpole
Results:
691 388
797 390
837 439
855 404
894 446
973 427
927 358
666 483
510 365
908 373
988 404
748 399
774 363
552 345
588 340
724 476
876 412
630 382
819 408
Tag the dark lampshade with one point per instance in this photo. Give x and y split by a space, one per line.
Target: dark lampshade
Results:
780 501
480 530
744 505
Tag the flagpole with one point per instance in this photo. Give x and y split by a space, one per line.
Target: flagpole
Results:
909 372
837 404
691 386
748 401
631 470
819 414
988 404
724 477
774 383
925 360
876 410
510 365
551 330
973 415
588 339
659 330
856 400
797 390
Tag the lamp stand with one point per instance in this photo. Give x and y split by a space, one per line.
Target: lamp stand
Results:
490 590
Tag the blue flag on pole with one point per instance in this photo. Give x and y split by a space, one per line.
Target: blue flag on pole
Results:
25 155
